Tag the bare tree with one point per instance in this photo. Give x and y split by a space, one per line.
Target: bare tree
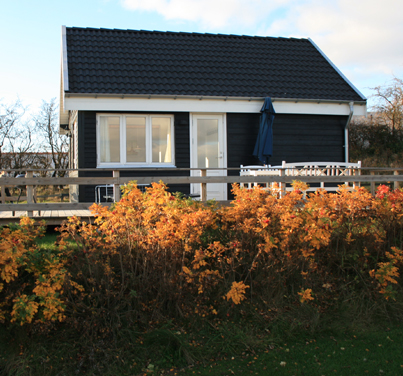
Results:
11 131
378 140
389 105
53 142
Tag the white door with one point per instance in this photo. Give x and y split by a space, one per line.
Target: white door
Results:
209 150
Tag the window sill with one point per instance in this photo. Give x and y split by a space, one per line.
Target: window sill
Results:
132 166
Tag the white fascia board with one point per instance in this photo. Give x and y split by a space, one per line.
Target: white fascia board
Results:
64 60
64 81
204 105
317 108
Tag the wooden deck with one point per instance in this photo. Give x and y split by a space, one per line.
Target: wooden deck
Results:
52 217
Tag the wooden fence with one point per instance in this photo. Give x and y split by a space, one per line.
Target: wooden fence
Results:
371 176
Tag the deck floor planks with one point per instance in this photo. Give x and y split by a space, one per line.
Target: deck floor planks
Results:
57 216
85 213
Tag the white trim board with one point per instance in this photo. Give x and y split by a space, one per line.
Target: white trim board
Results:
64 80
65 70
87 103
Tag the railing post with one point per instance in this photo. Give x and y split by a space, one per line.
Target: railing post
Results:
354 182
30 193
73 188
116 187
3 194
396 183
373 184
283 186
203 186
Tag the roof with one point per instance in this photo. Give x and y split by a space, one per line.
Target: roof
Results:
112 61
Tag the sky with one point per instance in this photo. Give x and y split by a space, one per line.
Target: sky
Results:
364 39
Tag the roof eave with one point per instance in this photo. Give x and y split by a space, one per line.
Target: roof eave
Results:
64 82
201 97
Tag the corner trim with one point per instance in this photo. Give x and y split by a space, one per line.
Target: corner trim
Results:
65 70
346 128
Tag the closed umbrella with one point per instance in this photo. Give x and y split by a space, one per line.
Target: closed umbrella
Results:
264 143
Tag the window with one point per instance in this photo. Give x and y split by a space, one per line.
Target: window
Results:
135 140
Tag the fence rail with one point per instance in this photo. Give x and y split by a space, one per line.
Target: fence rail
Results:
368 175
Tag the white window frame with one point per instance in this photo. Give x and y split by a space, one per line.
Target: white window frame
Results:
122 123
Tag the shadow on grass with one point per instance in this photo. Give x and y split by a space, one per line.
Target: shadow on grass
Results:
299 342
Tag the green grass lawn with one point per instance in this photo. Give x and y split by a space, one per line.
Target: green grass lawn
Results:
371 353
47 242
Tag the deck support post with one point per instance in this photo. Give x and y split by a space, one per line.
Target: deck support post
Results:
2 194
203 186
396 184
283 186
30 193
116 187
373 185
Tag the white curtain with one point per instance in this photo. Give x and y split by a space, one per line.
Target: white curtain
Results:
105 141
168 151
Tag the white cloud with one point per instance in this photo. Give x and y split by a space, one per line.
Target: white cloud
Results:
210 13
350 32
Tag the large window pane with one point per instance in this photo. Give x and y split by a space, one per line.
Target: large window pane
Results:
110 138
207 143
161 140
135 139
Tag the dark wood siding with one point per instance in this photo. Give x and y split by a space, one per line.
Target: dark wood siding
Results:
242 130
87 145
296 138
88 154
308 138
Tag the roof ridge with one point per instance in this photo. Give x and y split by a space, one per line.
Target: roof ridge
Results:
182 32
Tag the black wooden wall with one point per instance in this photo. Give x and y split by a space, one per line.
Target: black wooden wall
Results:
308 138
297 138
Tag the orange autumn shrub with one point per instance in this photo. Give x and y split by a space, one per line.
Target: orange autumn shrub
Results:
327 242
132 258
156 255
31 281
387 273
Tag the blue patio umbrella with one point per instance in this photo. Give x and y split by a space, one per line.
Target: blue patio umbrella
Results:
264 143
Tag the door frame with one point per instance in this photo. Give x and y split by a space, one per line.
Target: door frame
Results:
222 136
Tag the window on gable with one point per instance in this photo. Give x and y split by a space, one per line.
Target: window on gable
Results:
135 140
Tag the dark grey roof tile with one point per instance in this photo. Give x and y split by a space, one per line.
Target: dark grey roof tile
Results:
145 62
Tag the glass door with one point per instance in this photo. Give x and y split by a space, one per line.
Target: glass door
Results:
208 150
